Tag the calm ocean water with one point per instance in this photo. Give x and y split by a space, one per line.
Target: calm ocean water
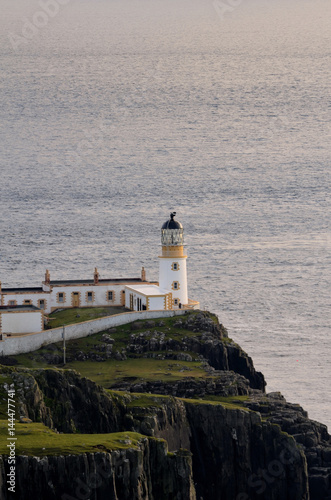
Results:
113 113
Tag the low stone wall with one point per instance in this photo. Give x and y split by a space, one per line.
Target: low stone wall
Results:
30 342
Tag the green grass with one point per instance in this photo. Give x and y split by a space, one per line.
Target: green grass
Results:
144 400
168 329
38 440
227 399
85 344
147 400
90 343
110 371
121 335
31 360
139 369
69 316
230 402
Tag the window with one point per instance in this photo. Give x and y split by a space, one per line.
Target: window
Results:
175 285
176 302
175 266
110 296
27 302
60 297
89 297
12 303
41 303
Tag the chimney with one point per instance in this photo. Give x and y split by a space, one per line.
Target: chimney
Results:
47 277
96 276
143 274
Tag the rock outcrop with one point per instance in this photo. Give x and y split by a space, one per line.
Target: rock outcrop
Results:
147 473
243 444
210 342
256 460
220 384
254 449
311 436
64 400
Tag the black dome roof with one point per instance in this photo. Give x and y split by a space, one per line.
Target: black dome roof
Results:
171 223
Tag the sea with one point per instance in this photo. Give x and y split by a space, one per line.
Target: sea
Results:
113 113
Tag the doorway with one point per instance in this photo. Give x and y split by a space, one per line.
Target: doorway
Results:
75 299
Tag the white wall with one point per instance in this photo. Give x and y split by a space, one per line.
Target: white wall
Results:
21 322
136 295
30 342
156 303
34 297
127 299
167 276
100 295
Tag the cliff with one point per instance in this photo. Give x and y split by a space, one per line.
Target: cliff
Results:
216 435
147 472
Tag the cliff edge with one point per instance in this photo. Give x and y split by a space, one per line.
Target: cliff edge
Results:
158 410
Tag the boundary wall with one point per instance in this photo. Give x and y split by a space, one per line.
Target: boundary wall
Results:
32 341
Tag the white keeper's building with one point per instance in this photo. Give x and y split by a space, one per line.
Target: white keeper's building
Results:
22 309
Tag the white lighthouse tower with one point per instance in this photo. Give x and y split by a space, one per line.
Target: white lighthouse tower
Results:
172 274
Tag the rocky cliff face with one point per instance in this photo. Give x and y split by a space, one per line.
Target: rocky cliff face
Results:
65 401
236 454
256 460
147 473
311 436
256 447
211 343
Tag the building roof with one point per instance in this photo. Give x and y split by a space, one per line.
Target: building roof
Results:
23 290
171 223
23 308
148 289
109 281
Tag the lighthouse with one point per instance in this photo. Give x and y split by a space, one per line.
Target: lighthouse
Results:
136 294
172 270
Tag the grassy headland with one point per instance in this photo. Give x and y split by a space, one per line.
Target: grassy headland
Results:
78 315
87 356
